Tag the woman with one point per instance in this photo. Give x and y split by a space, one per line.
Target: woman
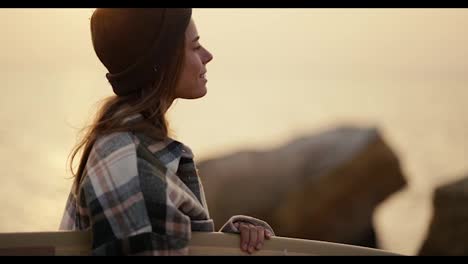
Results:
136 188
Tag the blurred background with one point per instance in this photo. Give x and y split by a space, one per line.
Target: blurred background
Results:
277 74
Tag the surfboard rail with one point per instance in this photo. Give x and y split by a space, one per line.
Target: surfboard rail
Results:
72 243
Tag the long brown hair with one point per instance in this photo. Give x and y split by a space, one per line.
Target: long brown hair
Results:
151 102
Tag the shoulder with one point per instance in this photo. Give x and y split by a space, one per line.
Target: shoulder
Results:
107 144
113 153
111 168
131 152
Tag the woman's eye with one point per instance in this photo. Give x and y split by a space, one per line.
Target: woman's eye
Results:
198 47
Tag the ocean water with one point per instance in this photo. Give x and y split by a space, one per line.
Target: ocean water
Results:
402 71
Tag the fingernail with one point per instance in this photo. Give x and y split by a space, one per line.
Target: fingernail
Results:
259 246
251 249
244 246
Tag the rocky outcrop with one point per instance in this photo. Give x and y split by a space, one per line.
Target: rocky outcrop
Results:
323 187
448 230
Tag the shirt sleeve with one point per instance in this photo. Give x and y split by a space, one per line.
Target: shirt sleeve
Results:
128 199
229 226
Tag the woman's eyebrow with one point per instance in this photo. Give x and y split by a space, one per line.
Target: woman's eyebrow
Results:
196 39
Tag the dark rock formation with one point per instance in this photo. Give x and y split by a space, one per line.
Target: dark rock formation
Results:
323 187
448 231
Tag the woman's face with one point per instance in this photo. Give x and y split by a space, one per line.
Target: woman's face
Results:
192 81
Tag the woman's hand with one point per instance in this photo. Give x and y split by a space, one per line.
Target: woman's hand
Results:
251 237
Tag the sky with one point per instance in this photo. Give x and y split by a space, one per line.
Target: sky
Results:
277 74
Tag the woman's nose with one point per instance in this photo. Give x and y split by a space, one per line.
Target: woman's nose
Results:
208 57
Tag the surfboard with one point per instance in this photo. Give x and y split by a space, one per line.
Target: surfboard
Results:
68 243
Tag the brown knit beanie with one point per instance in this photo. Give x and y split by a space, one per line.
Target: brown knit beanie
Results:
136 43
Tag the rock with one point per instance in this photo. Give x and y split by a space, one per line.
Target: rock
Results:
323 187
448 230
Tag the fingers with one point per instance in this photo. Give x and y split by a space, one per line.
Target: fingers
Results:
253 238
245 235
260 237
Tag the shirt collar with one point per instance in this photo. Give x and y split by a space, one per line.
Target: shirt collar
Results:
169 150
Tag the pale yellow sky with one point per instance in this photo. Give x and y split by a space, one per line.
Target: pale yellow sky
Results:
277 73
395 39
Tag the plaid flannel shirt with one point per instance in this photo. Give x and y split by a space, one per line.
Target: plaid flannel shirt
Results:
141 197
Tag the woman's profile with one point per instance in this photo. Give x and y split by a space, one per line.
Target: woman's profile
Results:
136 188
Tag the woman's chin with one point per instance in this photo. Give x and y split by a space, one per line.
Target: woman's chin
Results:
201 93
197 95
